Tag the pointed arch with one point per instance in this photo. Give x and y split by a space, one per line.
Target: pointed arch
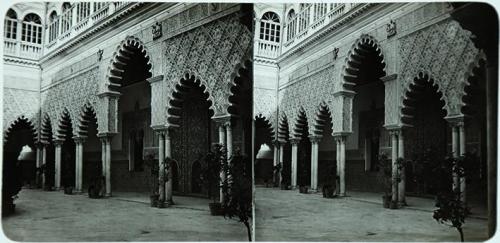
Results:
283 129
300 124
46 129
20 122
358 52
64 125
87 115
323 117
122 56
411 94
176 98
262 122
240 71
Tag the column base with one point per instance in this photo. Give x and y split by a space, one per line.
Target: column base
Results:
108 195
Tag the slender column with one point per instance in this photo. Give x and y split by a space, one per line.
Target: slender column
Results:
222 142
78 163
314 162
58 149
337 160
282 150
368 157
229 140
39 162
276 160
44 162
295 143
342 165
491 137
108 166
402 183
462 146
103 157
161 165
394 155
455 152
222 135
170 183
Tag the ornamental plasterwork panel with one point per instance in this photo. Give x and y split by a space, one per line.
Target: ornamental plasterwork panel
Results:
264 104
309 92
18 103
391 106
212 53
72 94
444 52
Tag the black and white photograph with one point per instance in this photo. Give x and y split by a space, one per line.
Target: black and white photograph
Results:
289 121
127 121
375 121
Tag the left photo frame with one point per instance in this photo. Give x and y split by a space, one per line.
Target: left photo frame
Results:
131 112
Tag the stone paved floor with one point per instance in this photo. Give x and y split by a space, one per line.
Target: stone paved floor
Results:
54 216
291 216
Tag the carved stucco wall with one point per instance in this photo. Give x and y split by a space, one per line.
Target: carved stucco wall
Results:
443 51
212 53
264 105
20 103
72 93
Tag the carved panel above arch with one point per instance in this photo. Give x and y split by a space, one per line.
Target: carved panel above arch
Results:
443 51
213 53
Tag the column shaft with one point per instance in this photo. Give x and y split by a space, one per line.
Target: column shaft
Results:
57 180
294 165
161 166
79 166
456 153
229 145
462 146
44 162
394 155
342 158
170 183
280 179
337 161
402 183
108 167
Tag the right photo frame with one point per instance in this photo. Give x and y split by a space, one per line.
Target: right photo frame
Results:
375 121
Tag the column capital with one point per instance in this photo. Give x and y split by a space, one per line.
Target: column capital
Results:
276 143
224 120
58 141
315 138
294 141
340 135
455 121
105 137
79 139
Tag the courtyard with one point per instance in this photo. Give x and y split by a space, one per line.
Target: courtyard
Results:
54 216
287 215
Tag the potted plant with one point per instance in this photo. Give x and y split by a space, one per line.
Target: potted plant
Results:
385 177
285 182
238 194
330 187
153 179
97 188
68 180
211 176
276 174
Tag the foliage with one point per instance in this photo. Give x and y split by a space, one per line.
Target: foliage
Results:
153 170
385 173
211 170
451 211
238 192
277 169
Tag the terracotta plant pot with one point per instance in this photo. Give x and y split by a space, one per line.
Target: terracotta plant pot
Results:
154 200
328 191
386 201
303 189
68 190
215 209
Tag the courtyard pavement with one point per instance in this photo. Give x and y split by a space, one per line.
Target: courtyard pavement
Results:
287 215
54 216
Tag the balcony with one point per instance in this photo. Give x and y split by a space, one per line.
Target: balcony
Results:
267 49
77 19
23 39
311 19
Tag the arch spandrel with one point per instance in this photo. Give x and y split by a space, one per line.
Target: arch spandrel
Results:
443 51
213 53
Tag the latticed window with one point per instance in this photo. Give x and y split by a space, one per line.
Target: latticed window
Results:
82 11
292 24
32 29
10 27
304 16
320 10
66 17
270 27
99 5
53 26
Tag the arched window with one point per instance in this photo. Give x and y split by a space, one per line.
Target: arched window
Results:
320 10
304 16
270 27
66 17
53 26
10 27
292 24
32 29
82 11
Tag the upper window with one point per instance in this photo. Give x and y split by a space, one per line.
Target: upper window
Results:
292 25
32 29
270 27
10 26
54 26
